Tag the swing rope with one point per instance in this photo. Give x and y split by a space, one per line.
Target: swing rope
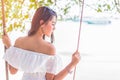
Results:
81 17
4 26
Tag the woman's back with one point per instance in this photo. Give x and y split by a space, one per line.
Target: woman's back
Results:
35 45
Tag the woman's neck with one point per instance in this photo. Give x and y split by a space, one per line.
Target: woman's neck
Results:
37 36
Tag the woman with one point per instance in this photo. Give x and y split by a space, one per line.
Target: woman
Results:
35 56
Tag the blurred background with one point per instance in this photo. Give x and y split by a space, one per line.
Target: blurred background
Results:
99 42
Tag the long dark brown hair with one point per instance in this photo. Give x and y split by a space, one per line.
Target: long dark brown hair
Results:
42 13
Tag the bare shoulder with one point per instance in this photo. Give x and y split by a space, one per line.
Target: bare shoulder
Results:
51 49
19 41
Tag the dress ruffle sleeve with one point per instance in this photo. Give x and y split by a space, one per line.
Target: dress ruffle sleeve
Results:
30 62
54 64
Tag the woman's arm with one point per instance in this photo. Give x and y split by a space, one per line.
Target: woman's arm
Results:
12 69
7 43
62 74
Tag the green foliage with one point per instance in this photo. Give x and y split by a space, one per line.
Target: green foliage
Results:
117 5
108 5
103 7
99 10
18 12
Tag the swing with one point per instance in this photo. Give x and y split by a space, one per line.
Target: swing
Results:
81 16
4 25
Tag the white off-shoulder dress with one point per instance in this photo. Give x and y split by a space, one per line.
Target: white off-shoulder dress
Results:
34 65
